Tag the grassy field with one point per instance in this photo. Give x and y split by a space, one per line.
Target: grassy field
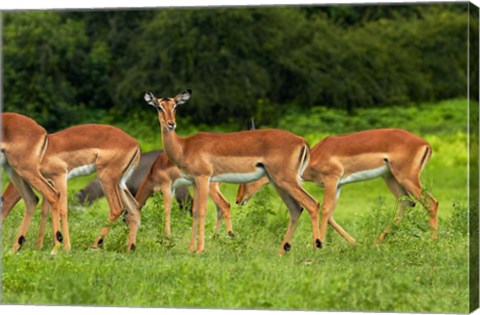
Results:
408 272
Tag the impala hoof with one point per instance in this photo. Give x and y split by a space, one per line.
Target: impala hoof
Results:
59 236
318 243
287 247
21 240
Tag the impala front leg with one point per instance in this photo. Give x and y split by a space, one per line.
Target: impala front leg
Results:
193 239
43 223
167 205
112 194
202 184
133 217
112 217
62 187
10 198
335 225
328 206
295 211
402 202
57 235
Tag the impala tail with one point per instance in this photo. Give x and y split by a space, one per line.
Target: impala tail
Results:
130 168
426 156
303 160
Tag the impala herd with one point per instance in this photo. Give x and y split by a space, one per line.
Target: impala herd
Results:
45 162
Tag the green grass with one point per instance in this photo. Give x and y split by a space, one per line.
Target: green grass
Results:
408 272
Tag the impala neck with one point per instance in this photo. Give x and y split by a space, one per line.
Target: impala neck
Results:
172 144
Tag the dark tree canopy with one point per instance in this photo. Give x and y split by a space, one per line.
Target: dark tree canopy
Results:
65 68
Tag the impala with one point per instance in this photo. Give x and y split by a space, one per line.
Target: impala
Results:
395 155
94 191
23 145
237 157
165 176
82 150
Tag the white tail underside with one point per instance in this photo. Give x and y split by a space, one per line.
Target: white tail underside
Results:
126 176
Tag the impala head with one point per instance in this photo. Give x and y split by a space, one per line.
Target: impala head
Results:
166 107
247 190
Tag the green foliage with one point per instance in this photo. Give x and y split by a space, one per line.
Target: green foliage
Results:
308 62
65 68
442 119
460 215
52 72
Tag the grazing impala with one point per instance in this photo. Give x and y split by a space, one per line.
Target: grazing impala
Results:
237 157
165 176
82 150
393 154
23 144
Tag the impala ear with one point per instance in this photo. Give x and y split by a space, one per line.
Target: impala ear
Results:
150 99
183 97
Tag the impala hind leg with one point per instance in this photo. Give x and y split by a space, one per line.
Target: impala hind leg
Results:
223 208
292 187
31 201
341 231
399 192
110 187
410 182
60 215
295 210
133 217
43 223
145 190
414 188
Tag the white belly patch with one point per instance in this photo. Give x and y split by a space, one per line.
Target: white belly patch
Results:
364 175
239 178
182 181
82 171
8 169
3 159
